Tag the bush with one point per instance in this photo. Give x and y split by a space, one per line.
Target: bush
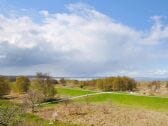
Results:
4 86
44 84
22 84
10 115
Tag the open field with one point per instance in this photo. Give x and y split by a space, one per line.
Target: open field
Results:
105 115
153 103
112 109
72 92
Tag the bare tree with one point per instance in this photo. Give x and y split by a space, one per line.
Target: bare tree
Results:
154 86
33 99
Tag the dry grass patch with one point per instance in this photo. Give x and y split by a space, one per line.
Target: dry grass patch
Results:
104 115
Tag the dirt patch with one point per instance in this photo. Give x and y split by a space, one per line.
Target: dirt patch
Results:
104 115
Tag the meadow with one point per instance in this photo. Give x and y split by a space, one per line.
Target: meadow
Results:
70 92
147 102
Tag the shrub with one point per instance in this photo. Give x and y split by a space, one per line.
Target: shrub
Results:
22 84
4 86
44 84
10 115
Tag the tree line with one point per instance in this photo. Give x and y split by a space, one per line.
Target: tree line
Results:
109 84
36 91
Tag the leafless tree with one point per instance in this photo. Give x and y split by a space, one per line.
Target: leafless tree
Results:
33 99
154 86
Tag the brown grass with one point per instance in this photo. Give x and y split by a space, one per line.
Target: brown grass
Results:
105 115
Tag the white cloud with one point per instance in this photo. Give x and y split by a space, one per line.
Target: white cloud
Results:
158 32
82 41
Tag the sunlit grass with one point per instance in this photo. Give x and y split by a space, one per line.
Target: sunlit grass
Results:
153 103
72 92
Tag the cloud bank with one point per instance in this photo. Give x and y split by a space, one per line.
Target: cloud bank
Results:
81 42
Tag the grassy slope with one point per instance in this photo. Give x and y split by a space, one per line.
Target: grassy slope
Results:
154 103
72 92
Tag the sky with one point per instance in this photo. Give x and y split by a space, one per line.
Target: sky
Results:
84 37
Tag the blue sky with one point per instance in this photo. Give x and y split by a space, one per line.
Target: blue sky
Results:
135 13
84 37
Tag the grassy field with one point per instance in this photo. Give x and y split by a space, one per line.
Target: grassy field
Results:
153 103
72 92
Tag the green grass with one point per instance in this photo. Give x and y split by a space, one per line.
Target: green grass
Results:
72 92
5 102
154 103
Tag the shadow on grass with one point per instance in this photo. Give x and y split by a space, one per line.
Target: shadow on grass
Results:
8 98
